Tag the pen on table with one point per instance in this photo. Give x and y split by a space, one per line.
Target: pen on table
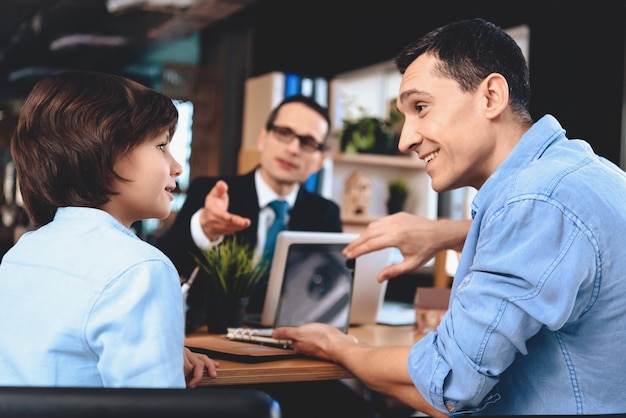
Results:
192 277
187 283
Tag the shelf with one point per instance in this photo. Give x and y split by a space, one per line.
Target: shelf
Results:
380 169
400 161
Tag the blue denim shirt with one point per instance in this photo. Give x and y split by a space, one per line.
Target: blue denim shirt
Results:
537 315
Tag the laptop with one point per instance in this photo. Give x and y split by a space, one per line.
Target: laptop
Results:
312 281
316 287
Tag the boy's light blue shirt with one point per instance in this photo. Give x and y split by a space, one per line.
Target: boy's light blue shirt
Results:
84 302
537 316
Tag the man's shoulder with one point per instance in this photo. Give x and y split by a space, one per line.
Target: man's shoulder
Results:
313 212
314 201
207 182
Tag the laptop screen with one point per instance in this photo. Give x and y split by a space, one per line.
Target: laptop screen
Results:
316 287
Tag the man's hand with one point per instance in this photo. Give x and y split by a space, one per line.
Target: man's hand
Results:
314 339
215 219
419 240
194 366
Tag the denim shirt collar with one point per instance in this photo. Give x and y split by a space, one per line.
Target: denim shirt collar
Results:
533 143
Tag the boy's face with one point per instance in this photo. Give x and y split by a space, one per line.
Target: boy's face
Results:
446 127
151 170
285 164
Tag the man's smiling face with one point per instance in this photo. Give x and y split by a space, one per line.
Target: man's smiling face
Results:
445 126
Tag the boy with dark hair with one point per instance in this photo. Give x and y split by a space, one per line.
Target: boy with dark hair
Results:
84 301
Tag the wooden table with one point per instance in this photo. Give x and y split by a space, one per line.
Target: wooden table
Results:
304 369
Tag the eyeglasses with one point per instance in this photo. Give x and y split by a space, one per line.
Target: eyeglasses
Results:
286 135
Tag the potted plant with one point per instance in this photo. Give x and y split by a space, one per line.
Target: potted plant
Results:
367 135
398 192
232 273
372 135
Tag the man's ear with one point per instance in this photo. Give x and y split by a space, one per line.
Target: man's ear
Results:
496 90
260 139
320 162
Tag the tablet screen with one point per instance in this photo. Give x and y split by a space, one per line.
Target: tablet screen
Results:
317 286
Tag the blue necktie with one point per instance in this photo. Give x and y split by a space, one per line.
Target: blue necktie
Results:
280 208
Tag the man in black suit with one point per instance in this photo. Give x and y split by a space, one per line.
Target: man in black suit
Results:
291 147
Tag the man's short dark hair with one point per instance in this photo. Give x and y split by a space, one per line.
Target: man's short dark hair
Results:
469 51
305 100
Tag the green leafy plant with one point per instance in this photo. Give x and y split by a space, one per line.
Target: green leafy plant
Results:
231 268
367 135
372 135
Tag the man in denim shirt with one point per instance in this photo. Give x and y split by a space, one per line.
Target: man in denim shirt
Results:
537 315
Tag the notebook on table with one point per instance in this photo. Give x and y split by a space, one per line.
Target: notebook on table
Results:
219 347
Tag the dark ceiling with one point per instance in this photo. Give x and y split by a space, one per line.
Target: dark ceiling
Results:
38 37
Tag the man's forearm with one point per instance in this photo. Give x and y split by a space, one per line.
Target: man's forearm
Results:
384 370
454 233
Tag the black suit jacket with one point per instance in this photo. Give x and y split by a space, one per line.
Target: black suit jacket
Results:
311 212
